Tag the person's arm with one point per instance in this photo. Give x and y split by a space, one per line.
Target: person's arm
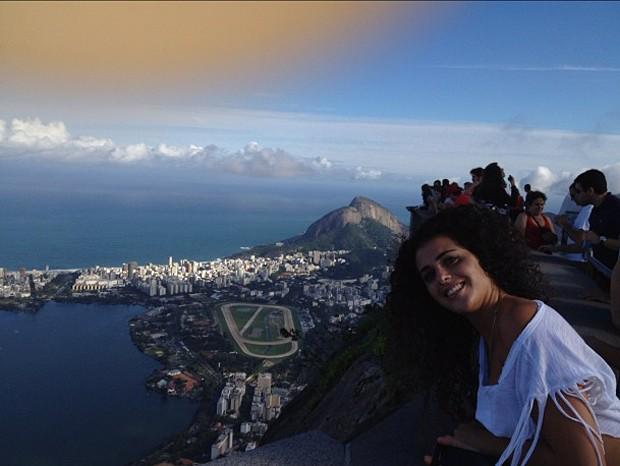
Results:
578 236
562 442
551 225
610 243
514 192
521 222
573 248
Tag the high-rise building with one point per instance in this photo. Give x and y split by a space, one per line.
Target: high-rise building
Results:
263 382
131 269
223 444
222 406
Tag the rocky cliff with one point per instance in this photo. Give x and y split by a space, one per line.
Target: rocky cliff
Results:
360 209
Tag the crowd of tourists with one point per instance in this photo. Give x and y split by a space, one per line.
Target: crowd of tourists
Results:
588 221
469 305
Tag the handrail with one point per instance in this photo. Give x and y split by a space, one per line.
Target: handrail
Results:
597 264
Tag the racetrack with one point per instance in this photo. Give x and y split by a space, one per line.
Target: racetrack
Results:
242 342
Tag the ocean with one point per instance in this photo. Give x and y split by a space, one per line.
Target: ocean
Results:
104 219
73 217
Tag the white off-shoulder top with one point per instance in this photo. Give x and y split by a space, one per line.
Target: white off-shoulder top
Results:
547 361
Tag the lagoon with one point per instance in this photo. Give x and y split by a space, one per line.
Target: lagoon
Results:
72 390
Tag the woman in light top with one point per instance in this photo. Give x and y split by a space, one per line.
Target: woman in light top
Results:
534 225
465 299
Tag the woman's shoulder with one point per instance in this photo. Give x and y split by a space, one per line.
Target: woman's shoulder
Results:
521 312
522 218
553 353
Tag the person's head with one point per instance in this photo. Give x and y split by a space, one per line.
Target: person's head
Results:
454 265
476 174
571 191
437 185
527 188
492 181
484 236
535 202
589 187
453 276
493 172
445 182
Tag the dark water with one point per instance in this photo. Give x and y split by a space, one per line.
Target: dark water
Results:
72 389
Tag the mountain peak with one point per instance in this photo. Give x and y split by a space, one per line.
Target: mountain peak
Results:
361 200
360 208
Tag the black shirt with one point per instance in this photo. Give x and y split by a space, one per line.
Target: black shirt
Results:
605 221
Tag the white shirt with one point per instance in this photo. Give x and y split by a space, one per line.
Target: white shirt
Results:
547 361
581 222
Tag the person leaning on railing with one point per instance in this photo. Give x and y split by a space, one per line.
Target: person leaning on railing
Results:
591 188
574 227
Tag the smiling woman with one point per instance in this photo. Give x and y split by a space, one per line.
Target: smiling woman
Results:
466 299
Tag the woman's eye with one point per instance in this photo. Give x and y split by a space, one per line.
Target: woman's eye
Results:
451 260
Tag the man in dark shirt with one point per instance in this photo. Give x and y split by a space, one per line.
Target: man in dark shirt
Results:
591 188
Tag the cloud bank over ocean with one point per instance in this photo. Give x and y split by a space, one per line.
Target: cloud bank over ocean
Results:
547 159
35 140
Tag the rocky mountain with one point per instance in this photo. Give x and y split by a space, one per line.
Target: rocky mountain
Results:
364 227
360 209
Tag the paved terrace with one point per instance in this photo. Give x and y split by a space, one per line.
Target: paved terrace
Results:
401 438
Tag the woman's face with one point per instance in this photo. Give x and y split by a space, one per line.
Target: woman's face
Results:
536 207
453 276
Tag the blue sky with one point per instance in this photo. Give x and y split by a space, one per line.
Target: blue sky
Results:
428 91
487 62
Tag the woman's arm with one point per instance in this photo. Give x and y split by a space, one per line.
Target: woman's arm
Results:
550 223
562 442
521 222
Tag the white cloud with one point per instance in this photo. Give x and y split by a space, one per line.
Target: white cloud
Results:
541 179
130 153
546 180
170 151
34 139
89 143
612 173
366 174
259 161
321 163
37 134
334 146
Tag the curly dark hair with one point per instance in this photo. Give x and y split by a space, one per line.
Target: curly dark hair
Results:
533 195
435 350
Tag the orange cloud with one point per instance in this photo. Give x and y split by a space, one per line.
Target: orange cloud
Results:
216 43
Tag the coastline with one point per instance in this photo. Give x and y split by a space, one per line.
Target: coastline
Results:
202 417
